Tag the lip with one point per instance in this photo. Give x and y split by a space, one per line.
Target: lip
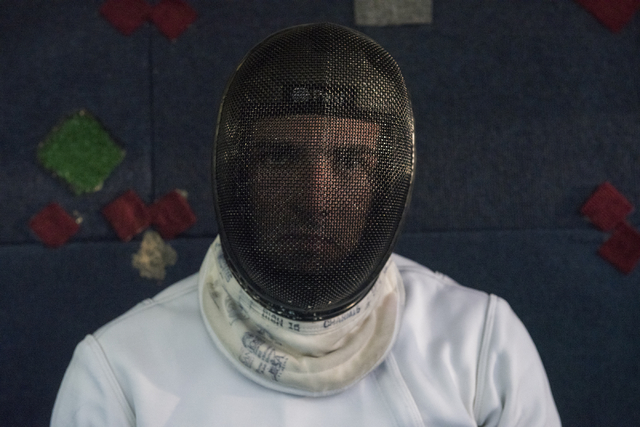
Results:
309 241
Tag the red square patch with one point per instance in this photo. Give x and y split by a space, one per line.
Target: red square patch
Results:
172 17
126 15
614 14
128 215
623 248
53 225
606 207
172 215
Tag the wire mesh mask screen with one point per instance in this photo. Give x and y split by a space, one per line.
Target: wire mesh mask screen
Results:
313 164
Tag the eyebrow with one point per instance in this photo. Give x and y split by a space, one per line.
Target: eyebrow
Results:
359 148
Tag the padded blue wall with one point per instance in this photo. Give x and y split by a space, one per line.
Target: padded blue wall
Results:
522 109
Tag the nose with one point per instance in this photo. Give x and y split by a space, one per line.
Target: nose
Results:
316 187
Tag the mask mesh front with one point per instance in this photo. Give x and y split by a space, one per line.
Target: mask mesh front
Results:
313 165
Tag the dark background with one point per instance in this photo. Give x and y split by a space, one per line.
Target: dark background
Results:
522 109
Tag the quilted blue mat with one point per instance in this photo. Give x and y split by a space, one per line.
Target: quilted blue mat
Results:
522 110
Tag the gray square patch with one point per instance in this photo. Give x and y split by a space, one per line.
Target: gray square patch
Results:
392 12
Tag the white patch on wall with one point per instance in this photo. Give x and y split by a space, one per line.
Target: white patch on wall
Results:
392 12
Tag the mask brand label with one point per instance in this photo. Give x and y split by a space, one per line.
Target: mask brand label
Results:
336 95
337 320
272 317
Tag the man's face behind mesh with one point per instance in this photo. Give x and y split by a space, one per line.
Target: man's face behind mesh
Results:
312 168
311 188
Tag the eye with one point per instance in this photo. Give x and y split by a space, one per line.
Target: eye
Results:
271 154
278 156
352 159
349 161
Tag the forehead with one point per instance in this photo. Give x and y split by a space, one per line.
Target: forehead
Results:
318 129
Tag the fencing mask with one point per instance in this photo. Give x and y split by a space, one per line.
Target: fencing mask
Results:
313 165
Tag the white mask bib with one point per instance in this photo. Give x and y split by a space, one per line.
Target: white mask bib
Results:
305 358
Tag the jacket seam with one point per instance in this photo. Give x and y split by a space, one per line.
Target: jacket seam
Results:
487 336
111 379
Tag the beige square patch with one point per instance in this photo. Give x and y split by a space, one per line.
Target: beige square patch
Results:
153 256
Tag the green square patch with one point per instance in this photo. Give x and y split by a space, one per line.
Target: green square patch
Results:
81 152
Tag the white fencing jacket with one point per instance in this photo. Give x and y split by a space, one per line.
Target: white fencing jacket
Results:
460 358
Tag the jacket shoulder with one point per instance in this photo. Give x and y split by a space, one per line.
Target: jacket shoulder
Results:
418 278
181 295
